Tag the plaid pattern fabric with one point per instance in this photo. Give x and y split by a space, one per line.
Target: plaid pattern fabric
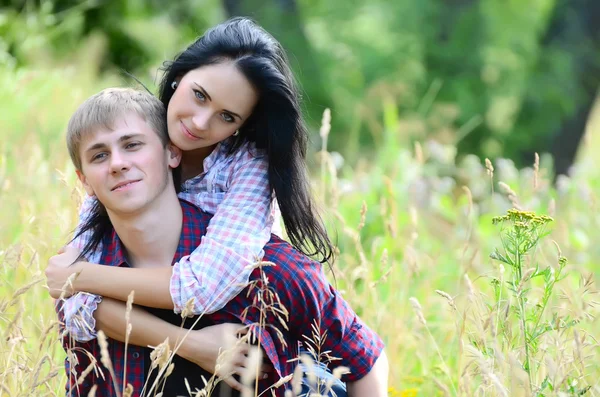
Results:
235 188
298 287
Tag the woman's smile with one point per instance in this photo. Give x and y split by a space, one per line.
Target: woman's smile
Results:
188 133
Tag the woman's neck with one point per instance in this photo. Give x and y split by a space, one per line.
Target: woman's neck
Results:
192 162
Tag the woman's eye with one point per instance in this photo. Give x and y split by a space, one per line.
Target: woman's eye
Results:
227 117
199 95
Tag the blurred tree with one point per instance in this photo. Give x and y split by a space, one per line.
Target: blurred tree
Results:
137 33
574 32
491 76
282 19
493 47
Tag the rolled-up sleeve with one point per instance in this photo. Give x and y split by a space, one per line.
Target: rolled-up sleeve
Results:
77 359
219 268
348 339
358 347
78 315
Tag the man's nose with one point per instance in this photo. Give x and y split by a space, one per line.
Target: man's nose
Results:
118 162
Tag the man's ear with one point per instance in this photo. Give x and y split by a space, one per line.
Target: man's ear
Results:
175 155
84 182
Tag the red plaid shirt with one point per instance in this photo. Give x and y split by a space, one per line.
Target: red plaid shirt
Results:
301 289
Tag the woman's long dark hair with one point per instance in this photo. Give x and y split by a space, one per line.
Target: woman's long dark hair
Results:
275 126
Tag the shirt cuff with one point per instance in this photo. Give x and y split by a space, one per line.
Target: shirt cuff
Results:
209 279
79 318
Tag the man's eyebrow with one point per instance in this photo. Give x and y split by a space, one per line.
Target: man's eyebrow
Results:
127 137
210 99
95 146
123 138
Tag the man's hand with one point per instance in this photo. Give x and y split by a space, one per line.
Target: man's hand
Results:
59 270
223 350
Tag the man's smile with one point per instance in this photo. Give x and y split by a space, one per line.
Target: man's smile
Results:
124 185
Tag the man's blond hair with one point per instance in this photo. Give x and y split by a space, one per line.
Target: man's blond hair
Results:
105 108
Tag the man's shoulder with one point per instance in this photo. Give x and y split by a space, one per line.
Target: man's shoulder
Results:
291 265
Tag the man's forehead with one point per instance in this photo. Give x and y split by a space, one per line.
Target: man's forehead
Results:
121 128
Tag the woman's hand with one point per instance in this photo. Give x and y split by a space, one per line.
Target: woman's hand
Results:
59 270
224 350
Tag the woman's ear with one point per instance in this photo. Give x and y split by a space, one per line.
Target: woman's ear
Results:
174 154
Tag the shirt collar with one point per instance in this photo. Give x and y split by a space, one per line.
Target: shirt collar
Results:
115 255
219 151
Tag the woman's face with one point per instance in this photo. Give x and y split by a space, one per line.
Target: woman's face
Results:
209 104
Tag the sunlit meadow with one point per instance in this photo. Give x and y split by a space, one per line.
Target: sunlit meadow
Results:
414 229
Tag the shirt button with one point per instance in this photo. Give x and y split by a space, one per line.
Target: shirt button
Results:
136 355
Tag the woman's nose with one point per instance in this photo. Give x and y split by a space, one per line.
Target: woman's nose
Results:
201 119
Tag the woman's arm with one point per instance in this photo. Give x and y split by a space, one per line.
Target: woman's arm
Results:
199 346
151 286
235 237
146 330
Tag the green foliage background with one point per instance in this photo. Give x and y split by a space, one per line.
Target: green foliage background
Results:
481 65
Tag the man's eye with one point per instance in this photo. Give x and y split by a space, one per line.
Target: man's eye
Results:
132 145
99 156
199 95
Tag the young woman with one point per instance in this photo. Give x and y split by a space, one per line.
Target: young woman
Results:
233 108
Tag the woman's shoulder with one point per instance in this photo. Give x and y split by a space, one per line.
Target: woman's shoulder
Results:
248 151
247 156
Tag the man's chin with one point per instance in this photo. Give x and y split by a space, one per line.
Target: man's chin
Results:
124 208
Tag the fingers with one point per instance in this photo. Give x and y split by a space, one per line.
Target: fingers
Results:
233 383
241 357
263 370
61 250
242 370
241 330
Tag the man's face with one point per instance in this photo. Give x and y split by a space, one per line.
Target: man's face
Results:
126 167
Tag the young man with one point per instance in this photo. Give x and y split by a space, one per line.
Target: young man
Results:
123 157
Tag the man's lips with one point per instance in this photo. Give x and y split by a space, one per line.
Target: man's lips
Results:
187 132
124 184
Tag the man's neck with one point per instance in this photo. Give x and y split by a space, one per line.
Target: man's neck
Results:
151 236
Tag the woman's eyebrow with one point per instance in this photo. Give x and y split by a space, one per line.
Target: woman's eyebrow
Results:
203 91
210 99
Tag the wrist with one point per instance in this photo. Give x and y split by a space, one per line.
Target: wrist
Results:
79 282
188 349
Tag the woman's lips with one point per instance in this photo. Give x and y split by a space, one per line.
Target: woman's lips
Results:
187 132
